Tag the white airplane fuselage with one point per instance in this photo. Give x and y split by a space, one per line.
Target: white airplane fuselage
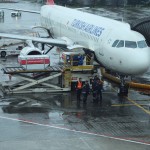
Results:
99 34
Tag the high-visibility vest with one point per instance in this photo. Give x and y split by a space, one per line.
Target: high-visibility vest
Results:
79 85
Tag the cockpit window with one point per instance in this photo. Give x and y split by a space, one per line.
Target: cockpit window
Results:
120 44
130 44
142 44
115 43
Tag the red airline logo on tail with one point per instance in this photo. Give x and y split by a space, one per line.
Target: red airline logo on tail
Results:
50 2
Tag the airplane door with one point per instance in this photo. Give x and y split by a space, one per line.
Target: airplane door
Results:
57 28
103 41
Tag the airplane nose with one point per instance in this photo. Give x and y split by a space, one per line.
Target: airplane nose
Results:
143 63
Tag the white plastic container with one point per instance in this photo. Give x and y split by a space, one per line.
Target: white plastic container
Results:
34 62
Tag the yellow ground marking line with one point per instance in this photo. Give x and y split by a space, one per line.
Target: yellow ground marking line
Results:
139 106
118 105
121 105
136 104
113 89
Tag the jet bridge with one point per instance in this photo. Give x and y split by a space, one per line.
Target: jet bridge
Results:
142 26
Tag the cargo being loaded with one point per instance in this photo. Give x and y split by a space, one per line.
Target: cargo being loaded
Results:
34 62
33 59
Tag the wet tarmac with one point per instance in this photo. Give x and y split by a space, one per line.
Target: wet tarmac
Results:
56 121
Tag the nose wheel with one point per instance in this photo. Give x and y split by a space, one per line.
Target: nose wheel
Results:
123 88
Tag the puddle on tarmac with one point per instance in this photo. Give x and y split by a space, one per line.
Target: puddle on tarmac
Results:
36 103
45 103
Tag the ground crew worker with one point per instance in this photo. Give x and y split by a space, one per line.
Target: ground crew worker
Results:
94 90
75 60
85 91
96 78
80 59
99 92
79 89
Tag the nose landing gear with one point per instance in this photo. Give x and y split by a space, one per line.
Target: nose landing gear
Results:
123 88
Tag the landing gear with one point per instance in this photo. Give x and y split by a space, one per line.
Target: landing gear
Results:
123 88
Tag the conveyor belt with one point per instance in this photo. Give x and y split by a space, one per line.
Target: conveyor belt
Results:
49 69
16 70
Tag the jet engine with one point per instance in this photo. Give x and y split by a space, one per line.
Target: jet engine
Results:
32 58
30 51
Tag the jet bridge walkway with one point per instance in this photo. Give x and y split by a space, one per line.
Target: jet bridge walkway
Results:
142 26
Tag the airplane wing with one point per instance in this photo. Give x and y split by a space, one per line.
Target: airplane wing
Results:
55 42
23 10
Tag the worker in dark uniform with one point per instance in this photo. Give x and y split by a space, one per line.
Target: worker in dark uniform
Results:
99 92
95 90
75 60
79 89
96 78
85 91
80 59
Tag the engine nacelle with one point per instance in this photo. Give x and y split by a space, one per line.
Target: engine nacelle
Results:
30 51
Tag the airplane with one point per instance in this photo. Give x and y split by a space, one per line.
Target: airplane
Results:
115 45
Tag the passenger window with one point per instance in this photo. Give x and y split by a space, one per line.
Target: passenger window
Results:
130 44
115 43
120 44
142 44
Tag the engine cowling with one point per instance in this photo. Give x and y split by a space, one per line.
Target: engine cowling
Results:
30 51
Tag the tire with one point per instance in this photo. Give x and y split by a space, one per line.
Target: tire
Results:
3 54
